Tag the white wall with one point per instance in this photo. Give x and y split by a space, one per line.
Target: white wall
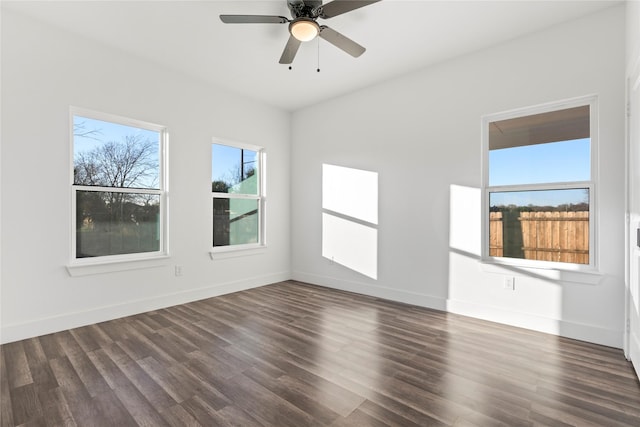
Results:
421 134
633 30
44 71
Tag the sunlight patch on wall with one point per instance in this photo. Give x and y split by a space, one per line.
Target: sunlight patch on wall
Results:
350 192
350 218
350 244
465 223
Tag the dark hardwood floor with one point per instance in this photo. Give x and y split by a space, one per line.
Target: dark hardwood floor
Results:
291 354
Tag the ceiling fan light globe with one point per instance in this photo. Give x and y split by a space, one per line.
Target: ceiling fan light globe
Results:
304 30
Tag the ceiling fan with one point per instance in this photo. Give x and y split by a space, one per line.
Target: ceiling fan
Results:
304 25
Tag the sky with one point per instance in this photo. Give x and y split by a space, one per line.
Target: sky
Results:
225 161
566 161
105 132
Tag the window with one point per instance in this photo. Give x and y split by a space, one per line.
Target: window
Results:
237 196
539 185
118 190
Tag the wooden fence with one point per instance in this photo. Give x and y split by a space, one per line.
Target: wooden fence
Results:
496 235
546 236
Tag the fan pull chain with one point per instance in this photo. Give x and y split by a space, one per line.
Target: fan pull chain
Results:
318 69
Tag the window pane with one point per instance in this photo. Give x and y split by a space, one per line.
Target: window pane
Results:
113 155
546 225
235 221
234 170
564 161
113 223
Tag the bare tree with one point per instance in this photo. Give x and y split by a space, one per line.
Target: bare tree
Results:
79 129
132 162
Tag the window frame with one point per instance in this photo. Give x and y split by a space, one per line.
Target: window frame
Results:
592 266
240 249
161 191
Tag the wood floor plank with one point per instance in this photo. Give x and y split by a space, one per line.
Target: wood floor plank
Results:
390 418
202 412
38 363
138 406
79 400
296 394
19 373
151 390
25 404
110 411
177 416
293 354
232 416
55 408
265 406
92 379
6 412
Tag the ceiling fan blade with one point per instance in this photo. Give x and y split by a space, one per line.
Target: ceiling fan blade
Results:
290 50
338 7
341 42
253 19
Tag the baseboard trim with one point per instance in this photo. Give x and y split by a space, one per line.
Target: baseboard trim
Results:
589 333
574 330
634 352
43 326
372 290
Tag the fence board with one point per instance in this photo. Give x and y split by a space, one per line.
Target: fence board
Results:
556 236
496 237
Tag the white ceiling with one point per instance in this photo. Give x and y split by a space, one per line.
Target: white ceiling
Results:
400 36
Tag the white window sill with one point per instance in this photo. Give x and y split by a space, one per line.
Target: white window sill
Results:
235 252
583 276
111 266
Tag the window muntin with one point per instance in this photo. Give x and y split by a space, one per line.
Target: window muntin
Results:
539 196
237 196
118 189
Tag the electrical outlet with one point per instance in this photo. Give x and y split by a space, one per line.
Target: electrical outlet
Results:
178 270
509 283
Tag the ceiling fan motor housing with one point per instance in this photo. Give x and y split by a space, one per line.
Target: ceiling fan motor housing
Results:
306 8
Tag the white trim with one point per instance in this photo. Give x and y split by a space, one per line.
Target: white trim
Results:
575 330
370 289
235 196
546 107
112 265
592 267
559 327
231 251
226 252
574 185
634 352
113 118
47 325
236 144
549 271
129 190
78 266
